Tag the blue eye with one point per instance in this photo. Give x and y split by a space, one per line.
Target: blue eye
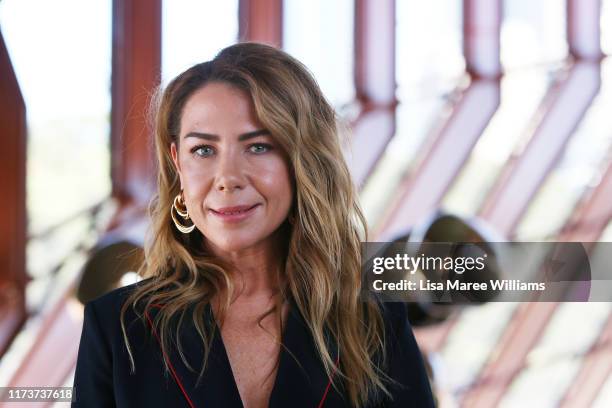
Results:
207 150
266 147
201 148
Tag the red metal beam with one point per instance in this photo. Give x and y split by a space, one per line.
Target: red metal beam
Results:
506 205
136 71
594 372
481 38
525 172
421 192
261 21
531 319
588 222
584 29
52 356
563 109
374 36
13 276
481 41
523 332
448 149
592 214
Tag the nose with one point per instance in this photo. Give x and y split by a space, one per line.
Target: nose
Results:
230 174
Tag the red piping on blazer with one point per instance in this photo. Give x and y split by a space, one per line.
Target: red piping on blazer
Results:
180 384
330 381
178 381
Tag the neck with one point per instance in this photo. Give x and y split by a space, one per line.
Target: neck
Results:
254 271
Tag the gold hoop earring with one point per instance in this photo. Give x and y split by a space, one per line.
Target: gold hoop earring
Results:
178 205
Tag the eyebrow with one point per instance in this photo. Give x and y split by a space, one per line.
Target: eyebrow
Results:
215 138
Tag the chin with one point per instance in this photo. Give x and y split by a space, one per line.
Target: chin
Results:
233 244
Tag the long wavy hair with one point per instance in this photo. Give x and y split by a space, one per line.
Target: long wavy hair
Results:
322 265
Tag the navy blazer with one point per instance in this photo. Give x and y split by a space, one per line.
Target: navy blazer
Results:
103 378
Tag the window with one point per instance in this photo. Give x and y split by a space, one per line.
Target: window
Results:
320 34
580 167
64 74
521 93
555 361
429 66
193 31
533 32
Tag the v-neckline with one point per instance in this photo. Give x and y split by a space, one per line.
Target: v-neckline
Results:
225 356
300 375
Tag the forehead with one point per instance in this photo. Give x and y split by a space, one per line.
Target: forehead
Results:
218 104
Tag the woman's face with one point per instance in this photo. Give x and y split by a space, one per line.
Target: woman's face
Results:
226 159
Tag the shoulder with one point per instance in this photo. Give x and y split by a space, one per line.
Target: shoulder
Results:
398 331
115 298
395 312
395 316
105 310
400 341
406 365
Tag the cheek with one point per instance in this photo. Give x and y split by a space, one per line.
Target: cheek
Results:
277 182
194 170
195 185
192 167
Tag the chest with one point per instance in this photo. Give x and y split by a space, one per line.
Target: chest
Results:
253 348
237 370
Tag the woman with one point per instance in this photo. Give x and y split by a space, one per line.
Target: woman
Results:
252 294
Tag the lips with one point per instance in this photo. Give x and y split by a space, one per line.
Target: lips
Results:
238 209
234 215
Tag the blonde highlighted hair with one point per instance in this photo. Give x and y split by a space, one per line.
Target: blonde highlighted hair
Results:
322 265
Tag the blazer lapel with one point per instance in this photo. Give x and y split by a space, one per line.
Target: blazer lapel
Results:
301 380
301 383
217 386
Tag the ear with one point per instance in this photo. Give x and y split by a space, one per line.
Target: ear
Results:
175 159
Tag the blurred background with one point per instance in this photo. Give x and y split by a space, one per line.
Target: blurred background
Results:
497 112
